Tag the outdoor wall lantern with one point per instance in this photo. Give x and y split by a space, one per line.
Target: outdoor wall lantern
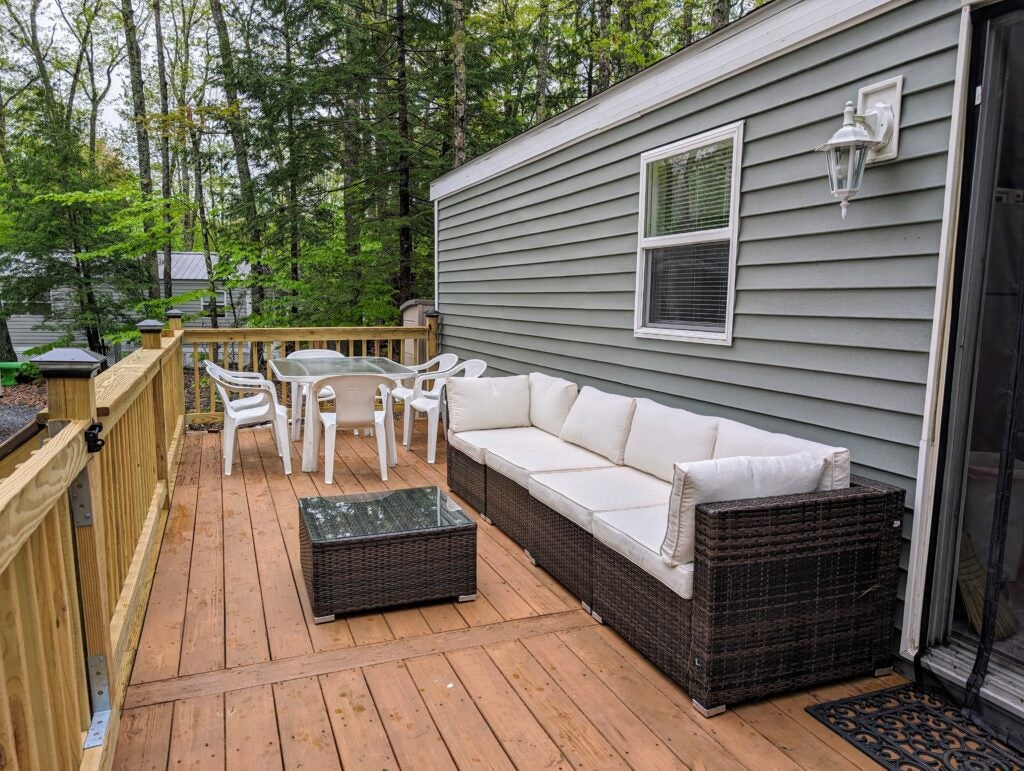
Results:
867 136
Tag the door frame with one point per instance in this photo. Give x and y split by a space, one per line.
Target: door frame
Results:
936 529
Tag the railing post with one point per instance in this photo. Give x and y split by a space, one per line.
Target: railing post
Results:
151 332
173 319
71 395
433 322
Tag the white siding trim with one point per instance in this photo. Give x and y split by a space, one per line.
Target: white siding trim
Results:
747 43
733 131
927 469
437 271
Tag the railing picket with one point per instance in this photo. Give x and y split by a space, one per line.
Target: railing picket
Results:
29 744
40 693
8 746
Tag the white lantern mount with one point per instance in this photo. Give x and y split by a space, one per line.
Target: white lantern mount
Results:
847 152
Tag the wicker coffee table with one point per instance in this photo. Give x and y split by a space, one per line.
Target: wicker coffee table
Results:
377 550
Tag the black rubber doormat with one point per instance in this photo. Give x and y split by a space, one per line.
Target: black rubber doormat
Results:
907 728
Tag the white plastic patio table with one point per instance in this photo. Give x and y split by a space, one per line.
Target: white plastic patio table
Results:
312 369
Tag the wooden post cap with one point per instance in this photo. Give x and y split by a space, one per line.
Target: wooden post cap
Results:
151 331
433 313
68 363
174 313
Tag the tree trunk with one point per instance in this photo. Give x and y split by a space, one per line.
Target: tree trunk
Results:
6 344
540 109
404 162
138 88
687 22
239 144
165 148
720 13
459 64
604 54
204 225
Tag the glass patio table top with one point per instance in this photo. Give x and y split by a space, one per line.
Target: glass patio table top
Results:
361 515
315 368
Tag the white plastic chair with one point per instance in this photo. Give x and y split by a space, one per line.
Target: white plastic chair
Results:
355 398
429 401
259 407
402 392
299 390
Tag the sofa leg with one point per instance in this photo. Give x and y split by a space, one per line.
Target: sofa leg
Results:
323 619
586 607
529 557
486 519
596 617
708 712
883 671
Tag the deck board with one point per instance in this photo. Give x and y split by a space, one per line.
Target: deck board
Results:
232 672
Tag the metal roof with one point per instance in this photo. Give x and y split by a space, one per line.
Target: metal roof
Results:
190 266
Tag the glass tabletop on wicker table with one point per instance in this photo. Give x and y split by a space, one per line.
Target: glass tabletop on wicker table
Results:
368 551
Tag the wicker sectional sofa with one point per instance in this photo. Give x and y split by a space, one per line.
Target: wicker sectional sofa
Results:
740 562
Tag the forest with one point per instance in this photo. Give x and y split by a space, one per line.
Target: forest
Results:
291 142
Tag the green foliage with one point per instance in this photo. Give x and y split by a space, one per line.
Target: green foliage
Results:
345 114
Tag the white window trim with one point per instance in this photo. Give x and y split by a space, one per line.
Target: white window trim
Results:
223 301
732 131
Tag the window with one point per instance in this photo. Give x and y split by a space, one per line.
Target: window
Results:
222 303
689 217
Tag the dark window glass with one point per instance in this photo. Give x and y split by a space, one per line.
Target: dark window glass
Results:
688 286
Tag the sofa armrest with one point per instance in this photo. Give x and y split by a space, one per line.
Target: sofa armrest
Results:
793 590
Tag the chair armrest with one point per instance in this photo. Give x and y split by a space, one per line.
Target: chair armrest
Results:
417 388
793 590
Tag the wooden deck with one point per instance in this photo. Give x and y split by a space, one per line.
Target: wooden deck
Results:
232 672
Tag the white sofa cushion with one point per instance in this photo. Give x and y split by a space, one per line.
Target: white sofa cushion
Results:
662 436
524 455
478 403
474 443
637 535
576 495
738 439
551 398
600 422
730 479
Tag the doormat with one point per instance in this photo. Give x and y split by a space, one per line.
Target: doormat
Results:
909 728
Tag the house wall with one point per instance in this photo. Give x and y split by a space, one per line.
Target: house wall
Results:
536 267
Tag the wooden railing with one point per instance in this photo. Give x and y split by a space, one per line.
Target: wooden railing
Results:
252 349
80 530
81 524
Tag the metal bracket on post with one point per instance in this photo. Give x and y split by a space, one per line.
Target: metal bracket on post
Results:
99 691
80 498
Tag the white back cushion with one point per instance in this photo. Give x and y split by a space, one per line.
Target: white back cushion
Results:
737 439
477 403
729 479
662 436
600 423
551 398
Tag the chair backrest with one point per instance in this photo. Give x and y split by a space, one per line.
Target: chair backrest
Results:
315 353
441 363
215 369
355 397
227 384
468 368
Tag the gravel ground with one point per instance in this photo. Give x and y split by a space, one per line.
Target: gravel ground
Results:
13 418
18 406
